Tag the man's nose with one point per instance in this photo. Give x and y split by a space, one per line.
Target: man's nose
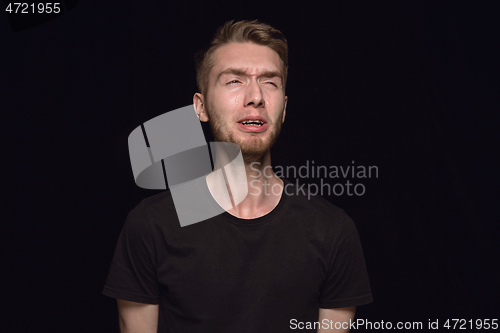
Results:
254 95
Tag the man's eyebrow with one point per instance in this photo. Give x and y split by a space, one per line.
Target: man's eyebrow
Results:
271 74
241 71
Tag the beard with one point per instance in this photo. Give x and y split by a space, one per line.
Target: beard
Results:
252 148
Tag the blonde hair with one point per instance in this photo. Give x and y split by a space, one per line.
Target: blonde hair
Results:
240 32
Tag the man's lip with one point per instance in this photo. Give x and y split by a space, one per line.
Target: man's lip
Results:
251 128
253 118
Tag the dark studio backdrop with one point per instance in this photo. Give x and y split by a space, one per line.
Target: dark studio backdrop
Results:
407 86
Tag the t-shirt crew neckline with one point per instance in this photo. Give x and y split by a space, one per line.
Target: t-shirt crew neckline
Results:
277 211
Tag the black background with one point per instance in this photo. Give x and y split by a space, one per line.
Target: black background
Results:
411 87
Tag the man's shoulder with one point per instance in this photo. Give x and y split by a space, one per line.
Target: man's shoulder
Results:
153 209
162 199
317 213
301 198
323 221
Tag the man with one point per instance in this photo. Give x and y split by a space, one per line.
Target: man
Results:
276 262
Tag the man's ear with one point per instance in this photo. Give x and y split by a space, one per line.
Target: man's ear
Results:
284 110
199 107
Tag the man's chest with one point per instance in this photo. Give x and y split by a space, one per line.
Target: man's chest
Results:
227 270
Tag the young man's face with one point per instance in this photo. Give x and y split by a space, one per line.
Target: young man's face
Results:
245 101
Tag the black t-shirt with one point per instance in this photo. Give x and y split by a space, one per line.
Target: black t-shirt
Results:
227 274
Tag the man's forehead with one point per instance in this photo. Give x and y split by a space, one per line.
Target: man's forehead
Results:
264 71
248 58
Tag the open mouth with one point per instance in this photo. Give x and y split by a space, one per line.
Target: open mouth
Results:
258 123
253 124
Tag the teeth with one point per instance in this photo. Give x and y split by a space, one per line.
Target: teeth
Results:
253 122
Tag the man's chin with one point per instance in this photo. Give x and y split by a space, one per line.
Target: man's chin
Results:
253 155
253 149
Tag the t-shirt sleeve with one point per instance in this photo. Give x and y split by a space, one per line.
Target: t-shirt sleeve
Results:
132 275
346 283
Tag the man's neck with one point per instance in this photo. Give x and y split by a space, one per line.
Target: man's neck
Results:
264 189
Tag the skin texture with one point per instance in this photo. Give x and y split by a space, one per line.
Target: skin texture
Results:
137 317
340 315
238 87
